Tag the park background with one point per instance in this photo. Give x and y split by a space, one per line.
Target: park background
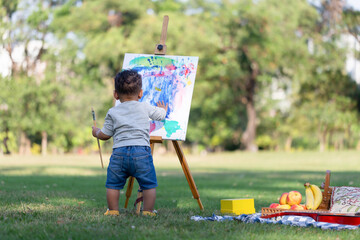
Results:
273 75
276 77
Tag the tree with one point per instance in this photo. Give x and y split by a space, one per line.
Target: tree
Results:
25 31
247 50
328 97
104 44
260 42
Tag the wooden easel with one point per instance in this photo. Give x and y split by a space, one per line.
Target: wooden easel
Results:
161 50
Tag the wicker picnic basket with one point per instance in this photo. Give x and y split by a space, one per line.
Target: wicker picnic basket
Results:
323 208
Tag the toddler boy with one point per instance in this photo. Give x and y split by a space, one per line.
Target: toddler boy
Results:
128 125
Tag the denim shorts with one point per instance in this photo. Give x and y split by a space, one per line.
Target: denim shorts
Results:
133 161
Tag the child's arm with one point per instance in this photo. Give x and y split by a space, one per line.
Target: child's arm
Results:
157 113
96 132
107 131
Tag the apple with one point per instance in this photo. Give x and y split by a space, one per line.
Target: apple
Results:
294 197
274 205
283 198
297 207
284 206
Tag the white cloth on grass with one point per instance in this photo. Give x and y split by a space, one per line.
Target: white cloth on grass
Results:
300 221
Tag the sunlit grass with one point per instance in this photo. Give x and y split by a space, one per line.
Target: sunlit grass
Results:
63 197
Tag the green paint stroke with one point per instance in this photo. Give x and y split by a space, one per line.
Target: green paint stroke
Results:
171 127
152 61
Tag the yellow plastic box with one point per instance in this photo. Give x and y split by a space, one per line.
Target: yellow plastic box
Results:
237 206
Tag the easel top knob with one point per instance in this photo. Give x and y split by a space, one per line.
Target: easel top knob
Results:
161 47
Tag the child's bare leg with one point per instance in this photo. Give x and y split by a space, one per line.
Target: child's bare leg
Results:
112 196
149 196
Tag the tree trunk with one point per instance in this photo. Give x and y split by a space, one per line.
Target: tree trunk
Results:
358 146
288 143
6 146
330 139
44 143
348 136
322 140
248 137
25 144
341 146
7 151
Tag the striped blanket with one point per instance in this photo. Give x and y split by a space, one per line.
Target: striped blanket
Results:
300 221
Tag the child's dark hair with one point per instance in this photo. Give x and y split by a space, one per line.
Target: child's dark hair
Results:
128 82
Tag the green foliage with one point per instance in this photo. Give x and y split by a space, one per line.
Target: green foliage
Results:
11 143
248 50
329 98
9 6
37 19
265 142
40 102
168 6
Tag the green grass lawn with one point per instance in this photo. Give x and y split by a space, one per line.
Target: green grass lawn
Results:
63 197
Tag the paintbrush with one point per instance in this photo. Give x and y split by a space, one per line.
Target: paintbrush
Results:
98 142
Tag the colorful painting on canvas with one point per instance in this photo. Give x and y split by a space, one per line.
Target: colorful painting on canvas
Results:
170 79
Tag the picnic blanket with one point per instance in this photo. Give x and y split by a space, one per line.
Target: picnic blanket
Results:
300 221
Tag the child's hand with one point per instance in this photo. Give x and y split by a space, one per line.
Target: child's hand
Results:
162 105
95 131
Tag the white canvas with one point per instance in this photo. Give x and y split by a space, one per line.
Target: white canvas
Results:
170 79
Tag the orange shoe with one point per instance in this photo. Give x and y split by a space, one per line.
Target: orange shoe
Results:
148 213
112 213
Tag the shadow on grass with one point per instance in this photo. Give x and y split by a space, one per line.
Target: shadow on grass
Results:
45 170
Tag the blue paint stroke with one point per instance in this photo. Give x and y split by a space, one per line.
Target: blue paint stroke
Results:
160 73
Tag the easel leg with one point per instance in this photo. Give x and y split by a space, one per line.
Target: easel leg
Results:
187 173
152 145
129 190
138 204
128 195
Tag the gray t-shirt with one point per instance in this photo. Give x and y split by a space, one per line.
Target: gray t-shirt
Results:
128 123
